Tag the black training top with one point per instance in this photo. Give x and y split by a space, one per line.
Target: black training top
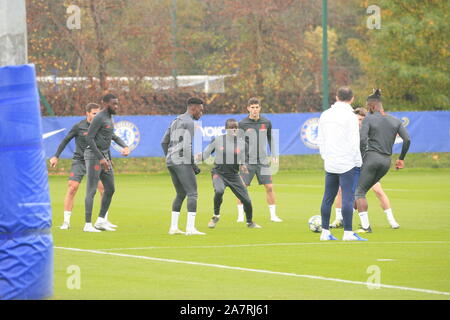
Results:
258 133
100 134
177 140
229 151
378 134
79 132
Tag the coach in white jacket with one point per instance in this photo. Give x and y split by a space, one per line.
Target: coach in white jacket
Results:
338 139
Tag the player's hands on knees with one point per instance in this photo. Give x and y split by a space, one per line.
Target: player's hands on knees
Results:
105 164
125 151
53 161
399 164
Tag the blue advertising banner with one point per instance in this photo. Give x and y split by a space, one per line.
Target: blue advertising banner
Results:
429 131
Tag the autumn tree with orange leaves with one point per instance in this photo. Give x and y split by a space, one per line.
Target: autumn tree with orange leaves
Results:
268 48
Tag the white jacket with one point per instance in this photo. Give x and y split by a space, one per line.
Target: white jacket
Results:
338 138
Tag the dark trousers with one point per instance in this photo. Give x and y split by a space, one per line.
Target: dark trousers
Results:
332 182
237 186
94 174
375 166
185 183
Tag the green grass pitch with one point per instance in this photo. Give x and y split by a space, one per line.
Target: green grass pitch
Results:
280 261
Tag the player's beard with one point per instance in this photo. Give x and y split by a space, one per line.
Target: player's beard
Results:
197 116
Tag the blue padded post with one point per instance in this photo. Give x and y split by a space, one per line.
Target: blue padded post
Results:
26 246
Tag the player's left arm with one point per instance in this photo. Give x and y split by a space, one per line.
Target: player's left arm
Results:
399 164
242 145
210 149
119 141
72 134
188 139
364 133
166 141
271 143
125 149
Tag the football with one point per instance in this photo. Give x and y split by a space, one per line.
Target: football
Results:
315 223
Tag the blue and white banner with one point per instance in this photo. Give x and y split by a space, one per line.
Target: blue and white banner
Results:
429 131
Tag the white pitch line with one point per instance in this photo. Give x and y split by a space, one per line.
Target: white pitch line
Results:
277 244
387 286
385 260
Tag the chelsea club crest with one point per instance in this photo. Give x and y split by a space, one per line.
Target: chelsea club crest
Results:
405 122
308 133
129 133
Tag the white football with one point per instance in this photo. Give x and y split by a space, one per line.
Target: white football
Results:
315 223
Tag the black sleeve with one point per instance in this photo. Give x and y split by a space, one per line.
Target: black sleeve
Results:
72 134
119 141
364 134
243 145
242 134
269 136
165 141
95 126
241 131
190 130
406 141
209 149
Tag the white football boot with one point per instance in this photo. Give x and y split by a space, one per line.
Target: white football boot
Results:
275 219
193 232
65 225
89 228
102 224
175 231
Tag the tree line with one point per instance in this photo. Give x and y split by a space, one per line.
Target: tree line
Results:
271 48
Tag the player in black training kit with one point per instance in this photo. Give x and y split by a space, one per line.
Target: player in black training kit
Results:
177 146
98 162
258 134
229 150
378 133
78 169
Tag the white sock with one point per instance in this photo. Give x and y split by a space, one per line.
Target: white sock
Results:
339 214
190 225
240 211
389 215
88 224
273 211
174 221
67 215
364 216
